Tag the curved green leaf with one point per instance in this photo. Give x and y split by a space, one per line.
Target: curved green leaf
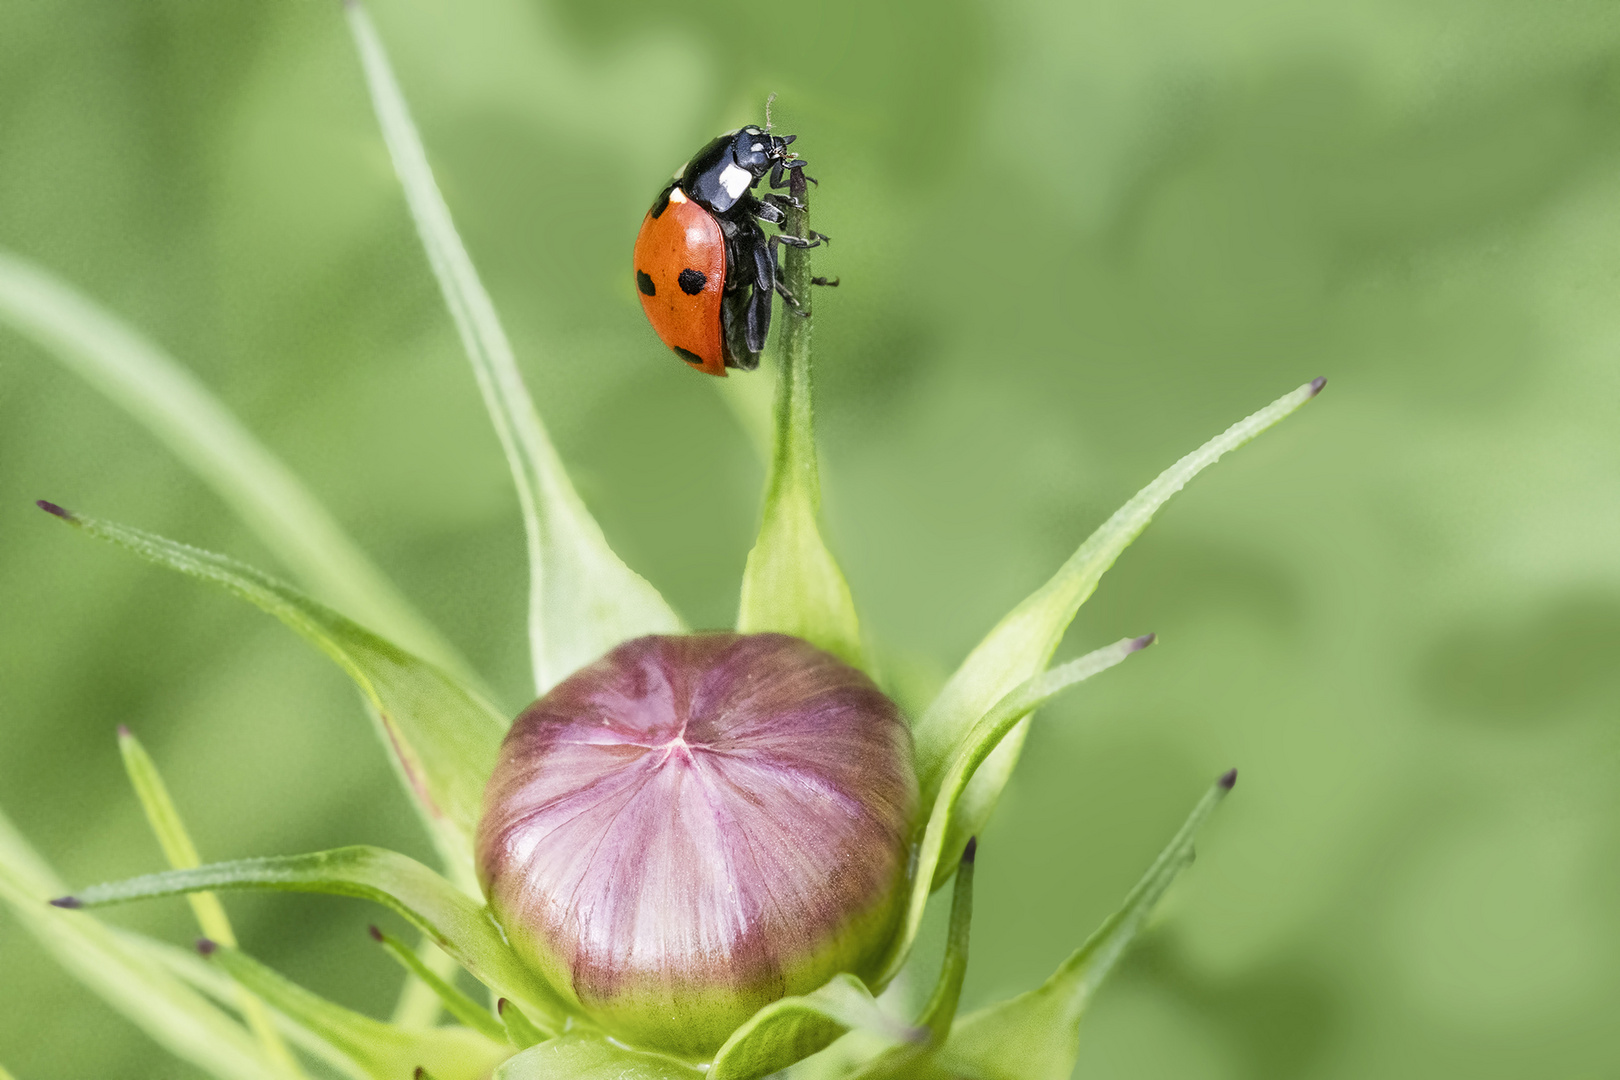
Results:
457 1004
520 1030
936 856
1022 643
791 584
587 1057
582 599
375 1050
1035 1036
796 1027
456 923
164 818
151 386
443 735
178 1018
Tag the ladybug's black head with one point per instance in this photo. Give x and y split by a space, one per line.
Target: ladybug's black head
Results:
757 151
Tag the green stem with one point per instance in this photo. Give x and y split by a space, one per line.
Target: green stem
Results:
795 454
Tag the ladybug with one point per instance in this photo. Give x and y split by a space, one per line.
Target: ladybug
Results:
706 272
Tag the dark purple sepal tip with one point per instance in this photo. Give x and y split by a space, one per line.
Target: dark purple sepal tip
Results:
500 1007
69 902
970 852
1138 644
1317 384
1228 779
52 508
123 731
206 946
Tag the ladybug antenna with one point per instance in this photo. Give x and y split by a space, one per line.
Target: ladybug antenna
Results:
768 111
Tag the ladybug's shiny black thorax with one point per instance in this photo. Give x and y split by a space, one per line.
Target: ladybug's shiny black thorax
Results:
721 178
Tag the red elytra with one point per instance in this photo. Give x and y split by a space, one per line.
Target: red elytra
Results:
680 261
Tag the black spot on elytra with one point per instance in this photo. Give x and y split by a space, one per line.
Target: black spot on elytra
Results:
645 284
692 281
662 202
688 355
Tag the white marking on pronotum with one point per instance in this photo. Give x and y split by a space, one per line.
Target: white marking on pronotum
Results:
735 180
677 195
756 148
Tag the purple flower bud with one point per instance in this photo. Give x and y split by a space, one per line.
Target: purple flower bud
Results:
692 827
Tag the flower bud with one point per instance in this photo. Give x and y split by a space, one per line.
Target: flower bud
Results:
695 826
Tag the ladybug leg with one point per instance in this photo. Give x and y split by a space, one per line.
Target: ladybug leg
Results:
759 303
829 283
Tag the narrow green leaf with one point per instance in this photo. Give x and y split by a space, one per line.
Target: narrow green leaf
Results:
221 988
796 1027
377 1050
443 735
977 745
587 1057
152 387
582 599
1035 1036
938 1015
178 1018
792 585
915 1061
520 1030
164 817
455 922
1024 640
457 1004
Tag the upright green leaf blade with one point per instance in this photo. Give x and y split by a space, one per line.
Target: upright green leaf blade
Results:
792 584
1020 645
582 599
457 924
164 818
937 849
443 735
796 1027
150 385
377 1051
591 1057
178 1018
1035 1036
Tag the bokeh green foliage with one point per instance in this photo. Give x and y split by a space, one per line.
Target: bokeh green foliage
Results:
1075 240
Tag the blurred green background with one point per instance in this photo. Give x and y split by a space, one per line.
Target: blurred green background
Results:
1076 239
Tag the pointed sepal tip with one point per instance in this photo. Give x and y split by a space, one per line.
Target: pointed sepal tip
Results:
1317 384
1138 644
207 946
52 508
970 852
1228 779
69 902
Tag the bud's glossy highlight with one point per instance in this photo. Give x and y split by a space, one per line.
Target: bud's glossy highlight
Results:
692 827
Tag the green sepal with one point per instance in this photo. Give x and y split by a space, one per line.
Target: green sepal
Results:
442 734
583 600
456 923
935 855
520 1030
791 583
152 387
1021 643
164 818
124 975
457 1004
793 1028
375 1050
1035 1036
591 1057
